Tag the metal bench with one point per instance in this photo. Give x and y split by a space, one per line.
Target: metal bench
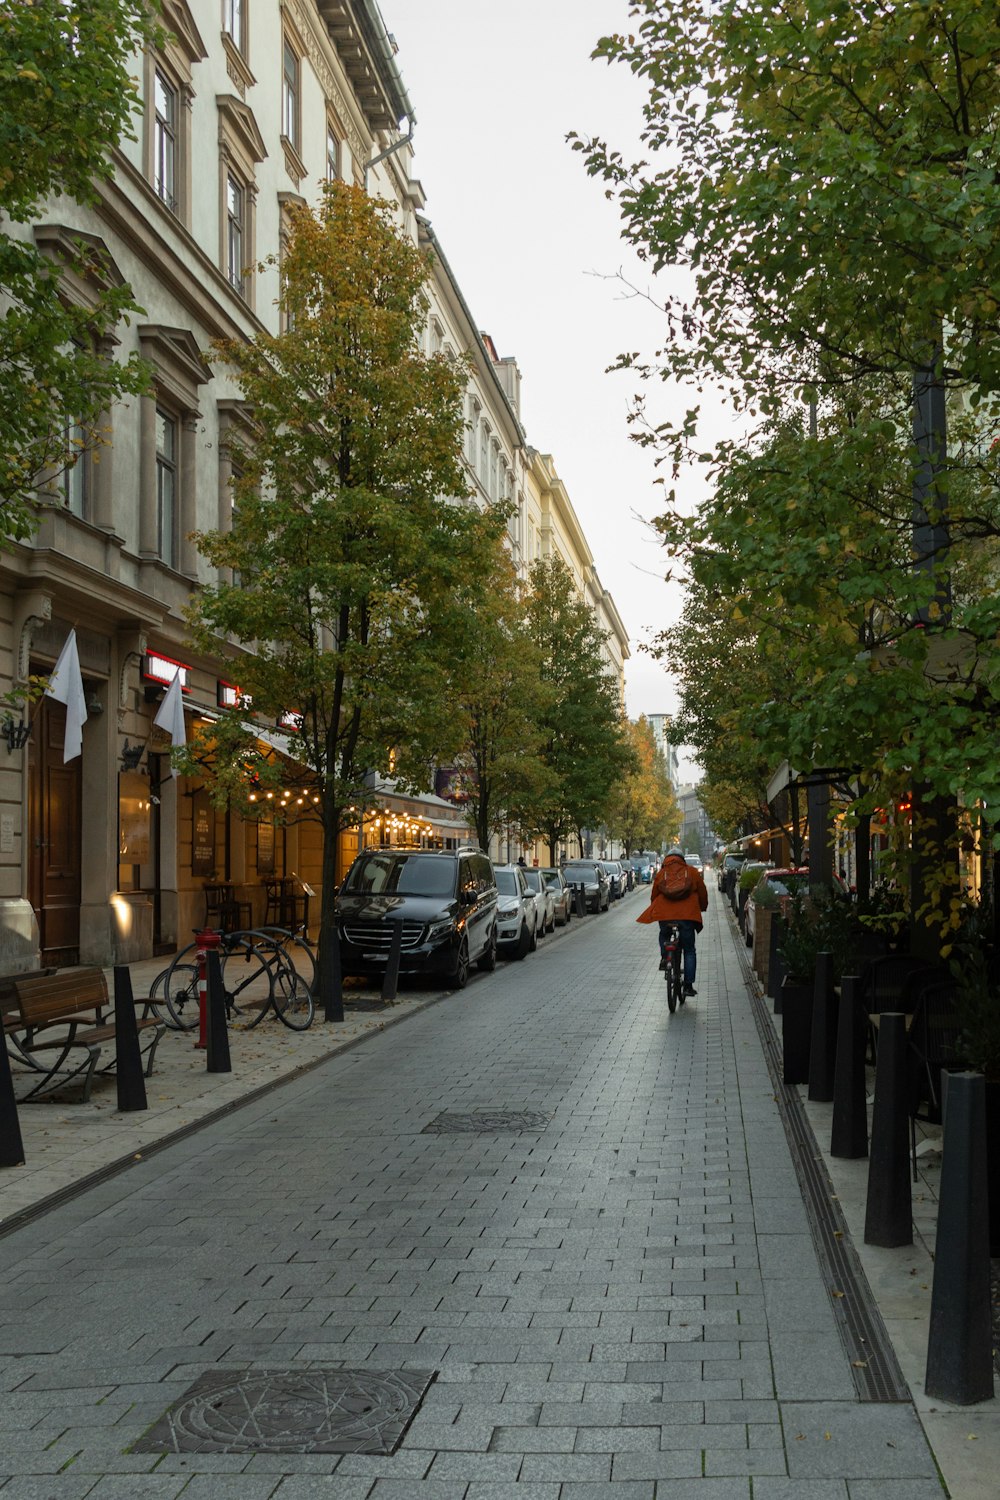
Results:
75 1004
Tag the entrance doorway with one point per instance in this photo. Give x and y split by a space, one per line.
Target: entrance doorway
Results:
54 837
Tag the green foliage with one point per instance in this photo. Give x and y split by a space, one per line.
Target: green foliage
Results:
642 811
352 576
66 98
830 177
582 746
749 878
977 998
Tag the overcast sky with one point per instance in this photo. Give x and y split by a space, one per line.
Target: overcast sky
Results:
536 248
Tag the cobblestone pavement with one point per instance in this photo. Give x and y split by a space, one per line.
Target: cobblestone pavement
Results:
622 1301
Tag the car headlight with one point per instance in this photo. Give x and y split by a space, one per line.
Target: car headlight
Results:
440 929
507 908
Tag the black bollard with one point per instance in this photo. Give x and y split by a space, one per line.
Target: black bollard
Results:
889 1214
775 962
796 1023
823 1036
11 1145
128 1058
580 897
849 1133
390 982
333 980
217 1032
959 1354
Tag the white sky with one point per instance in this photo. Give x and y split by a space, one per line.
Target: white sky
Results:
495 87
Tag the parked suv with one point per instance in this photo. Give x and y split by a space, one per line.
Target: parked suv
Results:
446 902
589 874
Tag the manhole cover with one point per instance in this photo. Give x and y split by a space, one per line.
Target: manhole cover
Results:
486 1120
290 1411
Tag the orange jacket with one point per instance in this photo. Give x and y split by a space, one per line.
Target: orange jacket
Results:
688 909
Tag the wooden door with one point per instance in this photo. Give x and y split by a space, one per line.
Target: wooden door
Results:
54 804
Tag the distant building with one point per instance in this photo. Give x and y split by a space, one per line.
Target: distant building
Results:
660 725
697 834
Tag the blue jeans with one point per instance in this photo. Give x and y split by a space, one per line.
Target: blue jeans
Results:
688 931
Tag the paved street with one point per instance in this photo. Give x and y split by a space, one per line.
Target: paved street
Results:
623 1300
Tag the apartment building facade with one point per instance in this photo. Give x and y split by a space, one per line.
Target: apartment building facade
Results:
246 111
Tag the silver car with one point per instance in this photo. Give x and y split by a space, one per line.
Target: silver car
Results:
545 912
516 919
562 896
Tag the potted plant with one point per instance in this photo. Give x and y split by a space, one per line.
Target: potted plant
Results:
766 903
803 939
747 881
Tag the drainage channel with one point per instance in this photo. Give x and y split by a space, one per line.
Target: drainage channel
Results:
874 1367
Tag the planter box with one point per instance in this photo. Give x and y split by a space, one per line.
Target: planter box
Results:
796 1029
762 942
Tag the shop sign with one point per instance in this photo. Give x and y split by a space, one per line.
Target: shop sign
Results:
228 695
202 834
454 783
291 720
265 848
162 670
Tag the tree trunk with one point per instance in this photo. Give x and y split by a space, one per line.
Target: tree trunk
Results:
325 967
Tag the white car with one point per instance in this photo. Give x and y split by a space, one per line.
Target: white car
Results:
517 932
545 906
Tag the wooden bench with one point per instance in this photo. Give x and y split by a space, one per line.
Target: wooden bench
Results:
74 1003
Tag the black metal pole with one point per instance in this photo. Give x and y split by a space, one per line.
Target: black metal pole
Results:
217 1052
128 1058
849 1131
332 979
959 1354
11 1144
889 1211
823 1034
775 962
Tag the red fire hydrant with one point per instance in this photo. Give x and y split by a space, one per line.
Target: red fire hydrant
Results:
207 939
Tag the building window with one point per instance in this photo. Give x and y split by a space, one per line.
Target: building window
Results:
290 94
234 23
484 454
76 474
165 140
332 154
235 231
166 486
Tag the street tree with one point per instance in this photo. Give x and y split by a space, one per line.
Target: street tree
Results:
500 696
582 745
828 175
352 562
67 97
642 811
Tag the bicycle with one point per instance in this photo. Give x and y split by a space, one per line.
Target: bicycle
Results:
262 969
672 971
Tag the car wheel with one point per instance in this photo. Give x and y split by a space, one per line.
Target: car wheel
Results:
488 960
552 922
524 941
460 973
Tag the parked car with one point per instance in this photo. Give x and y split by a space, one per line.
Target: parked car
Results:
731 864
545 912
517 918
446 902
629 869
589 874
616 877
643 870
562 896
694 860
775 887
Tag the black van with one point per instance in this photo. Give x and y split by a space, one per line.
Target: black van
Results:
446 901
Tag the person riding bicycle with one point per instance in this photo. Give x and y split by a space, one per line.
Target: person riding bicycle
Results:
679 897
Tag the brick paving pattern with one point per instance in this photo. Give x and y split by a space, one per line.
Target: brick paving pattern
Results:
625 1303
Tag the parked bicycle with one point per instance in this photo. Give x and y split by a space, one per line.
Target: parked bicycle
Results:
672 969
263 969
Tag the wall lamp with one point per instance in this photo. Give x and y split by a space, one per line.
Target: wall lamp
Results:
131 756
15 732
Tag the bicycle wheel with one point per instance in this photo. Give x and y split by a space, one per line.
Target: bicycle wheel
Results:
299 955
672 986
248 965
180 990
292 999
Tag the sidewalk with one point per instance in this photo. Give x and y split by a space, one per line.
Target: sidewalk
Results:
625 1303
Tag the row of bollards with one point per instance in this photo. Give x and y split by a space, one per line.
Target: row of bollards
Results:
959 1350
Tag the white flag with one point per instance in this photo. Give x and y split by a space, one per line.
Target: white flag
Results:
170 715
66 686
